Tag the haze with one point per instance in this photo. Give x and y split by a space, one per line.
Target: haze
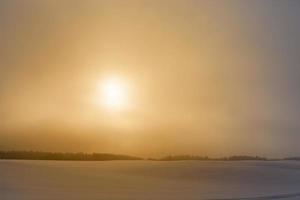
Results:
202 77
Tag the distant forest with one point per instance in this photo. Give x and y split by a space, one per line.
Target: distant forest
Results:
39 155
231 158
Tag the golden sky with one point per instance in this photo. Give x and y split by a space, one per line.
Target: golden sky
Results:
197 77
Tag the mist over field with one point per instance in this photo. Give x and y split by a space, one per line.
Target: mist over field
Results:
149 99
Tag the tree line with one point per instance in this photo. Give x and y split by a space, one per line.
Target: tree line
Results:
38 155
192 157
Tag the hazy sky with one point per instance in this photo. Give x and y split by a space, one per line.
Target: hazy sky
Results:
203 77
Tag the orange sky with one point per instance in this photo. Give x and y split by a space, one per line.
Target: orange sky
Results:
203 77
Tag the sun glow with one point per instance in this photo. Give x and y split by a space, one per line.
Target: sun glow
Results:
113 94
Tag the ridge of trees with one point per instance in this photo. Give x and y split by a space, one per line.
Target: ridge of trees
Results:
40 155
192 157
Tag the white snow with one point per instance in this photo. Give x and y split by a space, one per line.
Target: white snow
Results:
148 180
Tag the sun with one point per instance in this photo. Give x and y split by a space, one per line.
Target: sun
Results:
113 93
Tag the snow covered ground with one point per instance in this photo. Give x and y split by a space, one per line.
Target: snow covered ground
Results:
149 180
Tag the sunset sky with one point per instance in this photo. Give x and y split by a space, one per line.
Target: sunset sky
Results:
151 78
